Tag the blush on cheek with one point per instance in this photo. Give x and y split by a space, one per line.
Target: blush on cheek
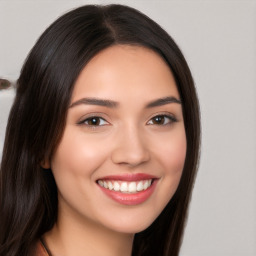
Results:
175 158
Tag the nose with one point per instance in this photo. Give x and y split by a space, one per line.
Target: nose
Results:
130 148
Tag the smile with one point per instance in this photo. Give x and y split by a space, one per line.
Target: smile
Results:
131 189
124 186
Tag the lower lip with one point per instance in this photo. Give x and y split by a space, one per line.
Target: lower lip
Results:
130 199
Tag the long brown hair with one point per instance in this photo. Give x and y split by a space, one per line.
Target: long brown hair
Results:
28 194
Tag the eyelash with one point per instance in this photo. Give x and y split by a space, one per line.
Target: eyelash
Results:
167 120
95 118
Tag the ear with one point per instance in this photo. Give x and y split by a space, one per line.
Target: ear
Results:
45 164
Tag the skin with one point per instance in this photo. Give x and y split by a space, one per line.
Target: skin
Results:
126 139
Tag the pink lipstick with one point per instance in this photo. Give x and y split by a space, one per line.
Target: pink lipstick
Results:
128 189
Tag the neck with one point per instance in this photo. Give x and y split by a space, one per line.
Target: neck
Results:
69 238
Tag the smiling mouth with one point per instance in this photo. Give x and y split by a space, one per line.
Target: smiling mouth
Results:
126 187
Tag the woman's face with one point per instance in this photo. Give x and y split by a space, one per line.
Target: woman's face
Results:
123 149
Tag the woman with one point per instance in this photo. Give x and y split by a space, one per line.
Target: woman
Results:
102 142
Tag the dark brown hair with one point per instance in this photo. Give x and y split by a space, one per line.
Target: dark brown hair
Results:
28 195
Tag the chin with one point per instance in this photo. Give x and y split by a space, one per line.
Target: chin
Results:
130 223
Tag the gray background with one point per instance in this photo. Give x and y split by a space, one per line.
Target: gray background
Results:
218 39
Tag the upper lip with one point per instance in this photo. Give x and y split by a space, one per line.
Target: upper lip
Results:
129 177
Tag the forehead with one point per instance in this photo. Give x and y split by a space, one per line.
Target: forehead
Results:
125 71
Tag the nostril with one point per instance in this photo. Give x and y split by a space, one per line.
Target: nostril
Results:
130 159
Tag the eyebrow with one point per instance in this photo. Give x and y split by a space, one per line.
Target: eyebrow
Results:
114 104
94 101
163 101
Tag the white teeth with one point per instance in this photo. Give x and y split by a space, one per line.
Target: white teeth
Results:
126 187
146 185
116 186
105 184
132 187
101 183
110 185
140 186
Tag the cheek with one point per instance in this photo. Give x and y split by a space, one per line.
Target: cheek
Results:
74 163
175 153
172 161
77 155
175 156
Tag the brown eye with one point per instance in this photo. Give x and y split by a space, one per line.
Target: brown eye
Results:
158 120
94 121
162 120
